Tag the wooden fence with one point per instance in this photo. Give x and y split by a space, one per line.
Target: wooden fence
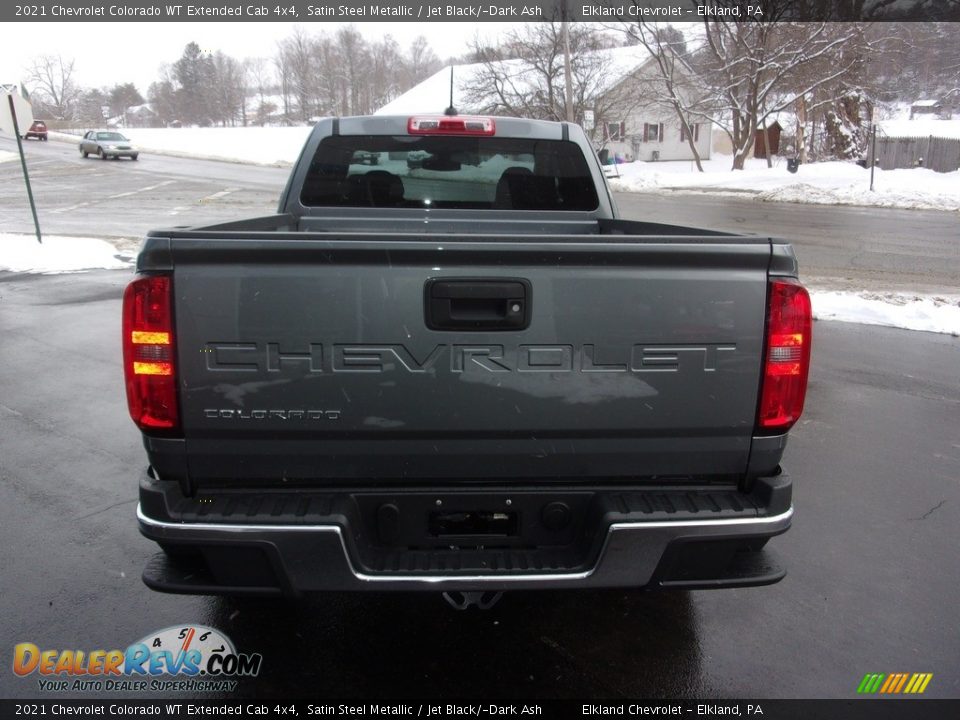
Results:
937 153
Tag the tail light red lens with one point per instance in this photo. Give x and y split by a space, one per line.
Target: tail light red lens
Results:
149 364
786 362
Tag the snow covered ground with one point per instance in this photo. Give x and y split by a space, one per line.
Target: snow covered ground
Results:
941 313
937 313
827 183
57 254
7 156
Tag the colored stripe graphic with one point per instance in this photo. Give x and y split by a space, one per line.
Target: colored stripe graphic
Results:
923 679
870 683
894 684
891 681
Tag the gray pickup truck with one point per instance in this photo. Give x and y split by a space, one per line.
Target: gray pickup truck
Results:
447 363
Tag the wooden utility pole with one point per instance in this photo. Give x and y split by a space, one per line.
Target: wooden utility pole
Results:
567 72
766 142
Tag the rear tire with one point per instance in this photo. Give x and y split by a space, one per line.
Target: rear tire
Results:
84 154
134 157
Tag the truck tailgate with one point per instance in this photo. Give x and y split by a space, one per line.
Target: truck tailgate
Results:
307 358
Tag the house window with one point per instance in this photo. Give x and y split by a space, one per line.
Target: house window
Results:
616 132
694 128
653 132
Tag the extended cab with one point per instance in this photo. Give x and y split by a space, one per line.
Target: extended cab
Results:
447 363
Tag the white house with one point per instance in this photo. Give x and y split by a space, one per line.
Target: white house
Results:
633 123
653 135
648 128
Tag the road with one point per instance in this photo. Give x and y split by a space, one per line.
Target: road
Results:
838 247
77 196
872 557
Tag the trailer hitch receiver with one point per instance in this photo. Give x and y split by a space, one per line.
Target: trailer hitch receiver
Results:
466 600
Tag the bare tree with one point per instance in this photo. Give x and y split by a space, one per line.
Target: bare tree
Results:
743 73
326 55
385 70
420 63
298 72
227 90
53 84
831 117
283 76
257 71
354 59
524 74
757 69
345 74
914 61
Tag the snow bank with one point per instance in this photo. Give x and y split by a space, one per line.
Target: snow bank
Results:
940 314
57 254
827 183
7 156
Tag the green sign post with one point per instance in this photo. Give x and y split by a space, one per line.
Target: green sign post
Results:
23 163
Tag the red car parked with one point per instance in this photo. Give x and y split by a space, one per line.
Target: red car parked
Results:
37 130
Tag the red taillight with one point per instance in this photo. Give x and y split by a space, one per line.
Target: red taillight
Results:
148 353
786 355
447 125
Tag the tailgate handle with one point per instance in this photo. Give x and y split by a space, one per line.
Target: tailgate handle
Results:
477 304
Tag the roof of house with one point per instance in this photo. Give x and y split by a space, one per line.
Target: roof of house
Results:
433 94
927 127
926 103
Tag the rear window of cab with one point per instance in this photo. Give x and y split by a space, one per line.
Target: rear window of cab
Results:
440 171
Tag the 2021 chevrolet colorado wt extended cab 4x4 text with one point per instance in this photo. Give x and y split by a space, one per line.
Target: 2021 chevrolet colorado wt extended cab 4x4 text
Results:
457 368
